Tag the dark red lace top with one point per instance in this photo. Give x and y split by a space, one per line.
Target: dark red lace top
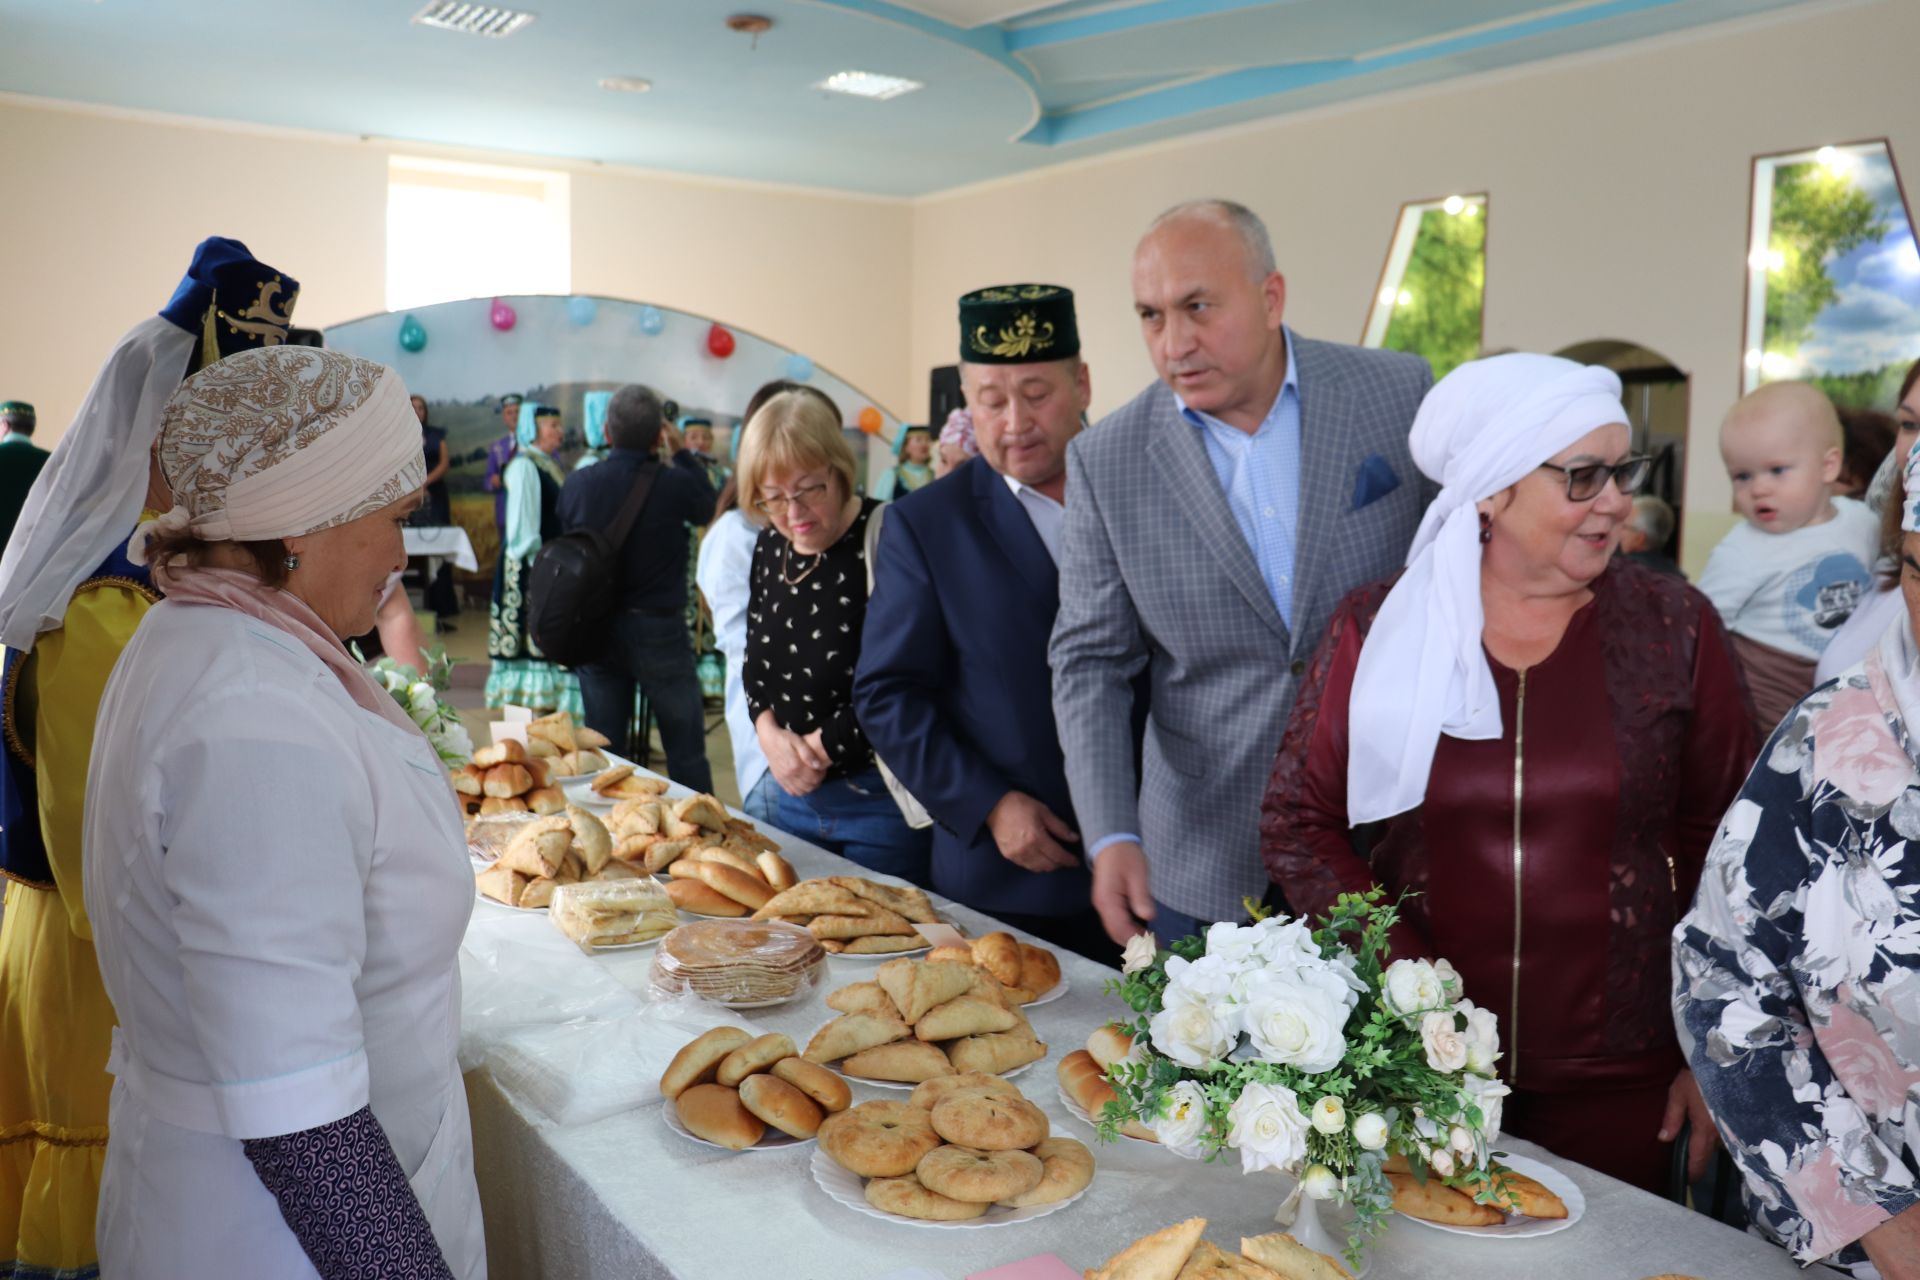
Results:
1632 741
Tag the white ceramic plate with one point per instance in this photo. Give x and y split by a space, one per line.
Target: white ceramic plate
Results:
1079 1113
901 1084
774 1141
1059 989
1518 1227
850 1189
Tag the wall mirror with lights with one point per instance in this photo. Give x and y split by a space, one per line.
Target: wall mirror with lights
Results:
1431 297
1833 274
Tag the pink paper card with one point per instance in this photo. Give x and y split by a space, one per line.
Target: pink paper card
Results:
1043 1266
941 935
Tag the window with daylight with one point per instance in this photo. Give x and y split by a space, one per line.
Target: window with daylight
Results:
458 230
1833 274
1432 291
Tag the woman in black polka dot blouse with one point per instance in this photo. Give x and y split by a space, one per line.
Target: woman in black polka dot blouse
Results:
804 616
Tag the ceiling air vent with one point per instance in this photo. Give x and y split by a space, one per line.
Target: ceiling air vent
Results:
472 19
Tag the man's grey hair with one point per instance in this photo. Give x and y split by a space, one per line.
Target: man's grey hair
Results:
1245 222
634 418
1653 517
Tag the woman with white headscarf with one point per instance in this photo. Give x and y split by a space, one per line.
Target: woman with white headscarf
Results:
274 862
69 602
1536 740
1797 972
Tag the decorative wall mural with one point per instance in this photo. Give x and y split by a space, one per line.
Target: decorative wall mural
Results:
1432 292
1833 274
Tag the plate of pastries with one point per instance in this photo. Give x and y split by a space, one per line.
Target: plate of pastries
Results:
715 864
545 852
731 1089
1180 1252
853 916
921 1020
963 1151
1085 1090
573 752
505 779
1512 1198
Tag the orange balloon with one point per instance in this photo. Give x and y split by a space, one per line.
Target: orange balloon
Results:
871 421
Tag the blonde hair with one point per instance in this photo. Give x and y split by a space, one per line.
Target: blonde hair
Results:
1801 404
792 432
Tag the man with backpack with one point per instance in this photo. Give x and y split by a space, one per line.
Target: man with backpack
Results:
644 640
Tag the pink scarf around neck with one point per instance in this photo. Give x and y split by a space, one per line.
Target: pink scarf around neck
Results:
244 593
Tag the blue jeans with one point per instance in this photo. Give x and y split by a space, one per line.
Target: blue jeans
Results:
653 652
762 804
1170 926
856 818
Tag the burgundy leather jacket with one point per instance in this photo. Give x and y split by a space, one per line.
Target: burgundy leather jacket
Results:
1551 864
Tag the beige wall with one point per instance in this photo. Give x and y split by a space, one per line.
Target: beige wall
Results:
104 210
1619 203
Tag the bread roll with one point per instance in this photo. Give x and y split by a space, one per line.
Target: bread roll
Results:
748 890
470 780
506 751
776 871
999 954
739 862
546 800
757 1054
1039 970
505 780
695 896
781 1105
685 866
1109 1044
1082 1079
819 1083
715 1112
502 804
700 1059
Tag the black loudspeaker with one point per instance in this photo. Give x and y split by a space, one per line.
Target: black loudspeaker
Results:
943 395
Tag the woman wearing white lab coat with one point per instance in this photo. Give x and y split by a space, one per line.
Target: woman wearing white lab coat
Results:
274 861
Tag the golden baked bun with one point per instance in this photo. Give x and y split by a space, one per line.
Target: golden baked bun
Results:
715 1112
1108 1045
502 804
507 751
781 1105
695 896
505 780
546 800
1082 1080
776 870
699 1060
757 1054
824 1086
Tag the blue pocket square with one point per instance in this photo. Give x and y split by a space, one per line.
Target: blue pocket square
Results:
1375 481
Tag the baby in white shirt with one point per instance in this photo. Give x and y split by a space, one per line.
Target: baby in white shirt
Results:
1789 575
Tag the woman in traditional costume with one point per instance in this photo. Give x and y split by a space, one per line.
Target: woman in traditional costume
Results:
275 866
69 602
520 674
593 409
914 469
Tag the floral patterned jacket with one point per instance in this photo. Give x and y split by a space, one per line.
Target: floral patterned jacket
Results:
1797 973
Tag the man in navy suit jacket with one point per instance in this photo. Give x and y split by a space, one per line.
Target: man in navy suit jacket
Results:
953 687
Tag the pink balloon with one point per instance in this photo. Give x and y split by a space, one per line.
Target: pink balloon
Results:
504 317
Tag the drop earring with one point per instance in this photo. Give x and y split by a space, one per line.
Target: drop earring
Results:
1486 528
292 561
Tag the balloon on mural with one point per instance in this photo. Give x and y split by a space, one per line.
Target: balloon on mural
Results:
799 368
871 421
651 321
413 335
504 317
719 341
582 311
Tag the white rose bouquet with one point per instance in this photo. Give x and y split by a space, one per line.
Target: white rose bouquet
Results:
1310 1052
419 697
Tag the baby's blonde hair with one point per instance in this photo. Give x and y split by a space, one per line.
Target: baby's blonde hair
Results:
1800 404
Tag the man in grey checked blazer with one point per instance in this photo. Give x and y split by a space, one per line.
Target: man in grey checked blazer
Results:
1166 563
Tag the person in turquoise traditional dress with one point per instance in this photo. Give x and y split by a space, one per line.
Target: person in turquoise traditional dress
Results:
520 674
593 408
914 448
69 602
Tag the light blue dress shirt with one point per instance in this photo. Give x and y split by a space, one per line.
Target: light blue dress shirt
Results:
1260 475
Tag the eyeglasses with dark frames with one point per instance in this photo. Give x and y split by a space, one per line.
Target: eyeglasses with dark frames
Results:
1585 481
777 504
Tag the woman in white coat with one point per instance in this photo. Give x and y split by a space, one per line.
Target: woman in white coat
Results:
274 862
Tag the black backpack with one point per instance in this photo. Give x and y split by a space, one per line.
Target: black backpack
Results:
570 583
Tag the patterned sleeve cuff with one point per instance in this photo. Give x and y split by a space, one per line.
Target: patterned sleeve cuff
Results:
1118 837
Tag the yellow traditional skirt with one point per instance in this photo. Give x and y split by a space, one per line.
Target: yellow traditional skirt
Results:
56 1027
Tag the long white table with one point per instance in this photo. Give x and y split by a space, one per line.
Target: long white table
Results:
626 1197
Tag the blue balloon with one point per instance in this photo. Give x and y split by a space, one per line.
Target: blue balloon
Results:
413 335
582 310
799 368
651 321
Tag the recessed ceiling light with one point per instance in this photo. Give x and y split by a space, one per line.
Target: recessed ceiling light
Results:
472 19
868 84
626 84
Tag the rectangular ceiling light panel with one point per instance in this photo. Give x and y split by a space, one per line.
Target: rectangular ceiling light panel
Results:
472 19
868 84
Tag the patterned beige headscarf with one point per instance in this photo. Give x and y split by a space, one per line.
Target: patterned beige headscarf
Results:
284 441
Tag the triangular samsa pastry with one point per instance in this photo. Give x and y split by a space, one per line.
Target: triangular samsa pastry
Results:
917 986
1209 1261
862 997
501 883
963 1016
814 898
702 811
1156 1257
996 1053
906 900
591 839
850 1033
1287 1258
905 1062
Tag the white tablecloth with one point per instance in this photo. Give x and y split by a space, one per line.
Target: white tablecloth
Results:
449 542
626 1197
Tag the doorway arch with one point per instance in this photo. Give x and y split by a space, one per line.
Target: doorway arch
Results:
1657 396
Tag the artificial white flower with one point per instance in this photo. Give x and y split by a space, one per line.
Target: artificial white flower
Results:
1450 978
1483 1038
1370 1131
1485 1094
1230 944
1442 1162
1329 1115
1446 1047
1296 1020
1192 1027
1182 1119
1461 1140
1411 987
1282 941
1267 1128
1209 976
1140 953
1319 1183
421 699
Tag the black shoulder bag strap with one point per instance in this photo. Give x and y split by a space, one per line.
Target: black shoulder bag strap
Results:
616 534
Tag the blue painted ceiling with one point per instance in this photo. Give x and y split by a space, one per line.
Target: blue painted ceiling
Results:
1010 86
